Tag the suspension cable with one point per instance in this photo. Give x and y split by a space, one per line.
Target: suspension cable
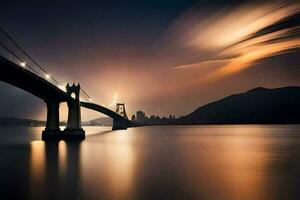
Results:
90 98
18 58
26 54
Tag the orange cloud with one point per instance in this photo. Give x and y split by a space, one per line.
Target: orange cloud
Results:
232 40
252 54
224 29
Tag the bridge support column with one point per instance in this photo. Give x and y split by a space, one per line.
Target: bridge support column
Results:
74 129
119 124
52 130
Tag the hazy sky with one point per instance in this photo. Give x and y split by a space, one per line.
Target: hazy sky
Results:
160 56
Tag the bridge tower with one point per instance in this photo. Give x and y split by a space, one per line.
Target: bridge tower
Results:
120 109
74 128
121 123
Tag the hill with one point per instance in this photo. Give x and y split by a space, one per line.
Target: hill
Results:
102 121
12 121
256 106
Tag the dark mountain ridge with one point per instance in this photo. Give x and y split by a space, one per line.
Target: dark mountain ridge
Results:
256 106
12 121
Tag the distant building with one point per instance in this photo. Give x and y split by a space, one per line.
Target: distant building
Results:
172 117
153 119
140 116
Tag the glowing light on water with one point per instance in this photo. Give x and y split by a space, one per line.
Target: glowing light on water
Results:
37 161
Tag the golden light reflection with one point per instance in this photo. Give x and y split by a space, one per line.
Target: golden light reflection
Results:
37 168
115 165
121 167
233 162
37 164
243 164
62 156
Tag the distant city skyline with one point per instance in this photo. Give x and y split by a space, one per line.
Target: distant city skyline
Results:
162 57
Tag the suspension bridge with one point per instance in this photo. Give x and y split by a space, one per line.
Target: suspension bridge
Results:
19 69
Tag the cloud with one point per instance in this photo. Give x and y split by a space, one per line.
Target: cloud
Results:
236 38
252 54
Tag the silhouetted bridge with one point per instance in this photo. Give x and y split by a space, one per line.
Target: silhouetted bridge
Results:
119 121
23 78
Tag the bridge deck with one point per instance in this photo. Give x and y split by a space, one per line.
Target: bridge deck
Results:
22 78
102 109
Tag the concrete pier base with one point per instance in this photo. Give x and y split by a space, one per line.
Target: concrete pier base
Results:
51 134
119 125
73 134
67 134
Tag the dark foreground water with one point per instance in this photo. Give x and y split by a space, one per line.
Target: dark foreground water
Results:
247 162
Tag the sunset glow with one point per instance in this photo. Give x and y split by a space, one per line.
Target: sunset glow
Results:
153 63
114 102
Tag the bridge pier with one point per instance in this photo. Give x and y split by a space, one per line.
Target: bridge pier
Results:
74 129
52 130
119 121
119 124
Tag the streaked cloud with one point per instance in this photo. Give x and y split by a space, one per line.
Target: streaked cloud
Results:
236 38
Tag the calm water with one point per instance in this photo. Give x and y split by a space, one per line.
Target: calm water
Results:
171 162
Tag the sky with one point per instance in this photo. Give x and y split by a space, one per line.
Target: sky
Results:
160 56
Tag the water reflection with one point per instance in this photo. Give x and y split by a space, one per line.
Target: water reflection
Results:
55 170
37 168
182 162
14 172
109 166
